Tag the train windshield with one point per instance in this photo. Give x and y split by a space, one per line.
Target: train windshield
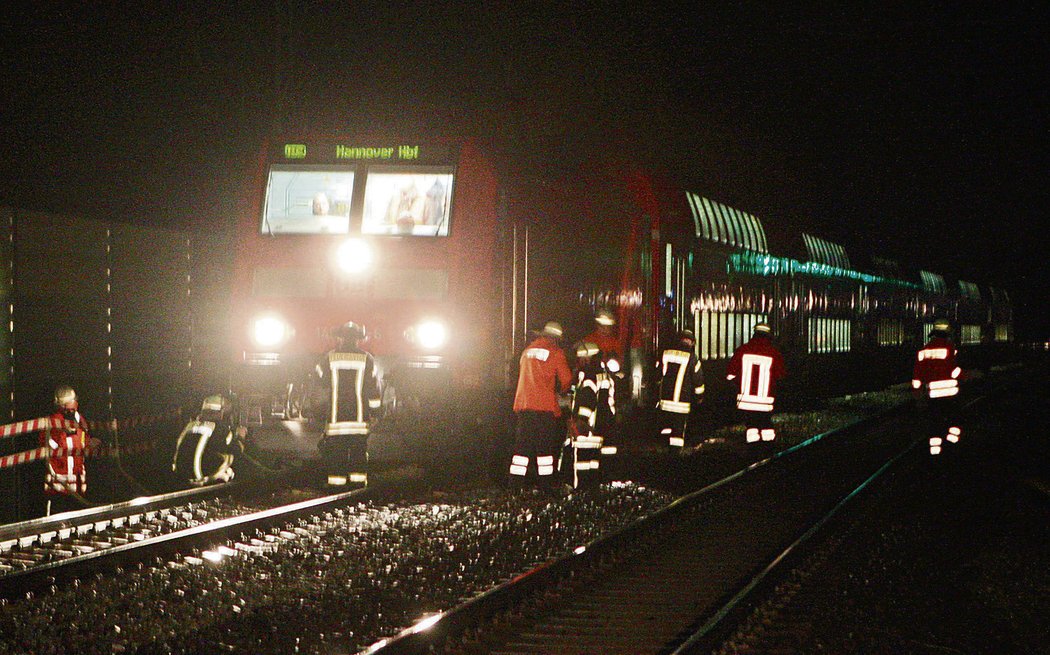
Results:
307 200
414 201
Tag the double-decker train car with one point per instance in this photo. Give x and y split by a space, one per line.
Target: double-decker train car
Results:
449 253
844 324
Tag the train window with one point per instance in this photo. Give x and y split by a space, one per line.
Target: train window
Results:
969 335
304 199
722 332
402 201
829 335
891 332
288 283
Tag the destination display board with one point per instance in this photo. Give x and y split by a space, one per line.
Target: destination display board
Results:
338 188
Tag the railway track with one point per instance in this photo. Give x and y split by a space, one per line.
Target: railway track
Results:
49 550
678 582
687 562
667 582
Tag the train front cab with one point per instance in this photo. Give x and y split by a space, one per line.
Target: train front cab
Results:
405 243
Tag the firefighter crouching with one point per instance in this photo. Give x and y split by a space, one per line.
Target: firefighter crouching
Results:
65 482
544 375
208 446
756 367
681 388
593 414
935 380
348 375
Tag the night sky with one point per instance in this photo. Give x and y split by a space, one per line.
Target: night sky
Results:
919 133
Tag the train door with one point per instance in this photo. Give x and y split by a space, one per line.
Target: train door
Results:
515 304
676 291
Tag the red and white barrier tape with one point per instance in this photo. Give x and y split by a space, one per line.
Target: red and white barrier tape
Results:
105 450
35 425
7 461
44 452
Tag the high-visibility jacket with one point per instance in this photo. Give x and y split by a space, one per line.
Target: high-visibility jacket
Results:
756 367
353 386
936 368
681 381
205 451
594 399
544 375
66 472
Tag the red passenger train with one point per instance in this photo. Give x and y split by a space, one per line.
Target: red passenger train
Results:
448 253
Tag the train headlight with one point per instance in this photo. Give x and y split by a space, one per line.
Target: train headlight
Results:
270 331
430 335
354 256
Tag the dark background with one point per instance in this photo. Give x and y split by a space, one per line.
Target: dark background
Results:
917 132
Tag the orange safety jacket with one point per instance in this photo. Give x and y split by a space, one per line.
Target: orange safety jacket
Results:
544 375
608 344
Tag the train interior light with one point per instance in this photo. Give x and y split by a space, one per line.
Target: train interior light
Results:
354 256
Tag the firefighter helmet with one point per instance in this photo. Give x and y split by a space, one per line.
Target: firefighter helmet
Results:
351 331
586 349
604 317
763 328
65 395
553 329
942 325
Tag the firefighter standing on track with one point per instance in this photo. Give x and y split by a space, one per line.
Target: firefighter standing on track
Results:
757 366
593 414
543 377
348 374
681 389
65 482
937 371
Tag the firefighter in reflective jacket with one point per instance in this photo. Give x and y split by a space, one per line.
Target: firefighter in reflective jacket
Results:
681 388
593 413
611 351
208 446
608 342
65 481
937 371
757 366
348 374
544 376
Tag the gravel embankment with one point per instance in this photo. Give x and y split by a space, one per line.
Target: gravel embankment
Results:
953 557
347 580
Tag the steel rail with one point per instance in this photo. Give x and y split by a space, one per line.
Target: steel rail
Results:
427 634
41 574
700 638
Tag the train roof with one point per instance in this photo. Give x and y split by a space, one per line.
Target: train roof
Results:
751 248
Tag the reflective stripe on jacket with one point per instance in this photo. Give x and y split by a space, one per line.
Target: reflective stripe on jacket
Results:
756 366
936 368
